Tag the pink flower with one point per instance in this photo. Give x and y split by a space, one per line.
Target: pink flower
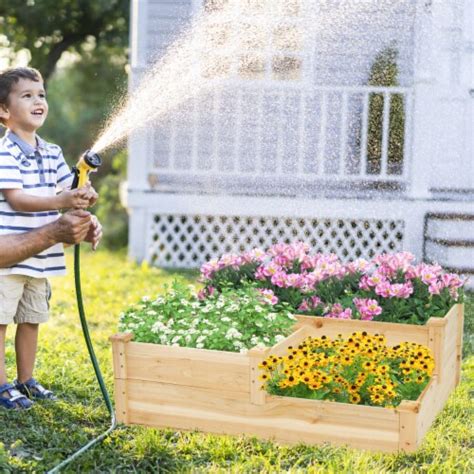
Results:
435 288
368 308
294 280
201 294
260 273
206 292
271 269
279 279
376 279
360 265
401 290
304 306
338 312
208 269
383 289
315 301
268 296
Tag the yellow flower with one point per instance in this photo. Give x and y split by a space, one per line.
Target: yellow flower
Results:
355 398
377 398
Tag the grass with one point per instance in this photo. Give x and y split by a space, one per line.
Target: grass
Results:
37 440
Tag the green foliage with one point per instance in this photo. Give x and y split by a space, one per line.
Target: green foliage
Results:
48 28
384 73
81 96
52 431
233 320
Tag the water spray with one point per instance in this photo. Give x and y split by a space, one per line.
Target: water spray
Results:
88 162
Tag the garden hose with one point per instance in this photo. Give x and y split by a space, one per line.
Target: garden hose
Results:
88 162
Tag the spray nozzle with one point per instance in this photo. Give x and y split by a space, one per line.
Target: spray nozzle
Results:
89 161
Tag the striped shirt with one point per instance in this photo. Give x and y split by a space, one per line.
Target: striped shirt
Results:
37 171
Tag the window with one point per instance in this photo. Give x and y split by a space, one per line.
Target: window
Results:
253 39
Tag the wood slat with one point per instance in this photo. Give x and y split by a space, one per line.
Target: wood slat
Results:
394 332
279 429
184 366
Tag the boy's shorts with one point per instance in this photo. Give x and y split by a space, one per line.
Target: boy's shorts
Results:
24 299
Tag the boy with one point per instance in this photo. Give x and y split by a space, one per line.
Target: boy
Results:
30 171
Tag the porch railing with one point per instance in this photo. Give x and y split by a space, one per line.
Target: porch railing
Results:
354 134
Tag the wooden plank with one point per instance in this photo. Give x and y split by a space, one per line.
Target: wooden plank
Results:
407 411
432 401
459 341
331 412
279 429
121 400
120 344
293 339
218 400
395 333
211 369
257 393
142 349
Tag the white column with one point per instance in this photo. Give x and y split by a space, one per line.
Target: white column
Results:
424 102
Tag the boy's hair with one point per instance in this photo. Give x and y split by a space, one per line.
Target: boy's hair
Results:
11 76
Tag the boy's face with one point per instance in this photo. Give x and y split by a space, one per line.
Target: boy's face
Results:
27 107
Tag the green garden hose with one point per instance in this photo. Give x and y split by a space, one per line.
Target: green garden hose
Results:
85 330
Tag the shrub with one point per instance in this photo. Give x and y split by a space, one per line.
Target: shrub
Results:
232 320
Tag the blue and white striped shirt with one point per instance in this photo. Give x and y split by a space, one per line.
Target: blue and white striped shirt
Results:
39 172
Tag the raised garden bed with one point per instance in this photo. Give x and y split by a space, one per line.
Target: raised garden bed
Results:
219 392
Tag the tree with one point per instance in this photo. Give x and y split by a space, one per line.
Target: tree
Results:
48 28
384 73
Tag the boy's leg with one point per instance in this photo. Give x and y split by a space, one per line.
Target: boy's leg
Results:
26 342
33 309
11 290
3 375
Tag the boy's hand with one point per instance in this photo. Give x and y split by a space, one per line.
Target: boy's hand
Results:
91 195
74 199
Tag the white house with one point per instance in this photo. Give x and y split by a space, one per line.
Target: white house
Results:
285 149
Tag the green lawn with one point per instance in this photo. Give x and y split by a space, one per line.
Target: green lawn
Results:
37 440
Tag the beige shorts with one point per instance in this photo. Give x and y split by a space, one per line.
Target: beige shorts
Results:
24 299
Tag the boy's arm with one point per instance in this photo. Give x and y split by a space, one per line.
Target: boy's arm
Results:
22 202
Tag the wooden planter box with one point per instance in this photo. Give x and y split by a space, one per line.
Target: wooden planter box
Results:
219 392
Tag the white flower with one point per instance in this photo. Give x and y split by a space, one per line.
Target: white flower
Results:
206 309
170 322
271 316
151 313
291 316
225 319
254 340
175 339
279 338
158 326
199 345
265 339
232 333
159 300
145 298
258 309
175 344
200 339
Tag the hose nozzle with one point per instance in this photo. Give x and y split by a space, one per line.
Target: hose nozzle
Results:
88 162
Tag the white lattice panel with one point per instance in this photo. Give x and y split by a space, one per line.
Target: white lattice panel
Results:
187 240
